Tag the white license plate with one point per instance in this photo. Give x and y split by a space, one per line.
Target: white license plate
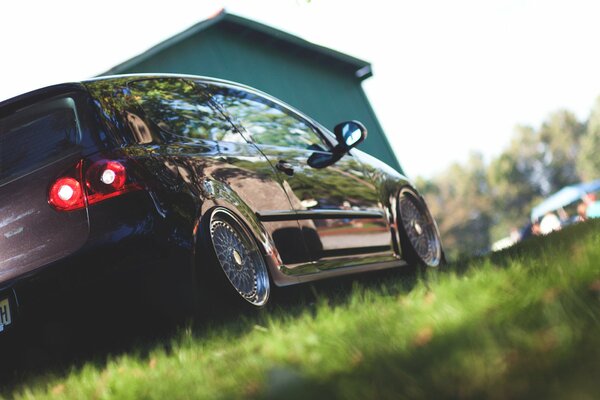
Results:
5 318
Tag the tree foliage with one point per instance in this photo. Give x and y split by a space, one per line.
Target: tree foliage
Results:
477 203
588 162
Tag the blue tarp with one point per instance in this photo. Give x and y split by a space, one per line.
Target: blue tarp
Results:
564 197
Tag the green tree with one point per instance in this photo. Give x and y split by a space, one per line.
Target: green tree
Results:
459 199
476 204
559 138
516 179
589 162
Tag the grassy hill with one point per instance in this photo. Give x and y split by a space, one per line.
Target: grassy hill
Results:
521 323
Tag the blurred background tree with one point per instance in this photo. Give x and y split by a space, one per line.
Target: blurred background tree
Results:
459 199
588 162
477 203
559 136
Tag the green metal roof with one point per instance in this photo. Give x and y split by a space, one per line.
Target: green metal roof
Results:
362 69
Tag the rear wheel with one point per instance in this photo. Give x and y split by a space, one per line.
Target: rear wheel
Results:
420 239
237 260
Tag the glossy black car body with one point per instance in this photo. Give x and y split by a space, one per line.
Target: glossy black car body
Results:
194 163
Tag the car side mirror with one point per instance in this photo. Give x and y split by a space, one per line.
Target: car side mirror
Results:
349 134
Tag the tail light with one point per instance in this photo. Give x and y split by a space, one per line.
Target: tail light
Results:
91 184
66 194
106 179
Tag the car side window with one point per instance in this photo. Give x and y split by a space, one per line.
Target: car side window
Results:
38 135
182 109
268 123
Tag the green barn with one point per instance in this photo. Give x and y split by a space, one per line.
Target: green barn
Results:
321 82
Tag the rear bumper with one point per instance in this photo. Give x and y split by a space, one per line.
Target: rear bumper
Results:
133 257
69 290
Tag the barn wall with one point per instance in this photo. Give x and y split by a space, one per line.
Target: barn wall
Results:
326 91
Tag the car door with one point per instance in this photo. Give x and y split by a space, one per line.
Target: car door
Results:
342 219
197 140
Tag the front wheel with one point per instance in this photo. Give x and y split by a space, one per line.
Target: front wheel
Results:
236 260
419 235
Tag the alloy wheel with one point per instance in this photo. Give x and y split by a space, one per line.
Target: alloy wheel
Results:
420 229
239 257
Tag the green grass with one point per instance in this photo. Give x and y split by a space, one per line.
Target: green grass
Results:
521 323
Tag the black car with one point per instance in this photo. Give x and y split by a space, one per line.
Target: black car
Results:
179 187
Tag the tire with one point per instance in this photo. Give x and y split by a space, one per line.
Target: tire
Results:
419 236
236 273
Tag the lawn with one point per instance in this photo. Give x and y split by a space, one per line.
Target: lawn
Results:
521 323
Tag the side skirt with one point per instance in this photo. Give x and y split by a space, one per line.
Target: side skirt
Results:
310 275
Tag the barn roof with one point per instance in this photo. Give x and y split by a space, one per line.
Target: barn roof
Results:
361 69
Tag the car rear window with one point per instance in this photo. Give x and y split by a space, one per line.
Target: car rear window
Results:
181 109
37 135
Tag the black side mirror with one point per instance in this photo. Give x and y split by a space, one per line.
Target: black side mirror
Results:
349 135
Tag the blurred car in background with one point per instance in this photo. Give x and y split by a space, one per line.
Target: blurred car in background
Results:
570 205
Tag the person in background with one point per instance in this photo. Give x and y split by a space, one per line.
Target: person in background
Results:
581 212
550 223
592 206
515 235
563 216
535 228
526 231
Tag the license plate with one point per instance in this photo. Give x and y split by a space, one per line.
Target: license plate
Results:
5 318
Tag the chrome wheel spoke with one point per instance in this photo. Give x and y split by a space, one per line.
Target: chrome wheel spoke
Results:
420 228
239 259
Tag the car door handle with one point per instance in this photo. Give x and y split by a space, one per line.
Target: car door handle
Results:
285 167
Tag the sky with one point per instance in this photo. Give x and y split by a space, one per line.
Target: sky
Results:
450 77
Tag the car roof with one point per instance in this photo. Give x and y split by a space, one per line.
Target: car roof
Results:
126 78
49 91
12 104
9 105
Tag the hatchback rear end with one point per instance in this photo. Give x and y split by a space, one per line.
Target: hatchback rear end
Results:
39 139
73 209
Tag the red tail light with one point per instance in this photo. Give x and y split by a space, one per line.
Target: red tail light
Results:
66 194
106 175
104 179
